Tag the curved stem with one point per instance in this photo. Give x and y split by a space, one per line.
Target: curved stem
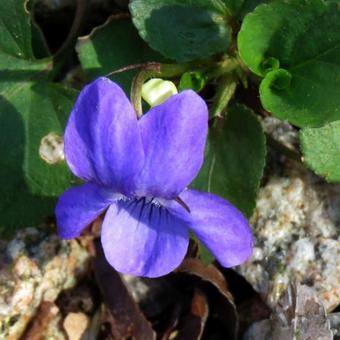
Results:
136 91
67 46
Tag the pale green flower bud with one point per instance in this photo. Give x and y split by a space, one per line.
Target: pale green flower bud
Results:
156 91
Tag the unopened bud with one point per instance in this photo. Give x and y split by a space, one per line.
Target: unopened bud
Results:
156 91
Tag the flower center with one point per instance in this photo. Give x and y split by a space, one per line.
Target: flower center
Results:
158 202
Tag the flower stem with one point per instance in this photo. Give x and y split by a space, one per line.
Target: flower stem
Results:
225 92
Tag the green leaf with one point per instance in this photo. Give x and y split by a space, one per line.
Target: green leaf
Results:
15 31
111 47
192 80
183 30
298 56
26 116
235 157
39 44
44 178
239 8
30 108
321 149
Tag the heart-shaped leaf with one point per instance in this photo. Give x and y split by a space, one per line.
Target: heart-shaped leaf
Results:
31 108
321 149
235 157
111 47
182 30
239 8
295 46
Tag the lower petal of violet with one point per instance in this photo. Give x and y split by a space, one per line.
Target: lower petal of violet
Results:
142 238
219 225
79 206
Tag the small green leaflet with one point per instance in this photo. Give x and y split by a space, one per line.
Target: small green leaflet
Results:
192 80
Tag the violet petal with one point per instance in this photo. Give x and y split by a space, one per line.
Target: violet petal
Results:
143 239
174 135
219 225
102 139
79 206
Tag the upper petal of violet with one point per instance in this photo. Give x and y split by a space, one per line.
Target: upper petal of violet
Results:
174 135
102 139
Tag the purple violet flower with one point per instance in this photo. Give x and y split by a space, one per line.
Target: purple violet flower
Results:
139 170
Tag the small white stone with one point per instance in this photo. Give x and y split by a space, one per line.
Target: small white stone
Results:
15 248
23 296
75 325
257 254
303 254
